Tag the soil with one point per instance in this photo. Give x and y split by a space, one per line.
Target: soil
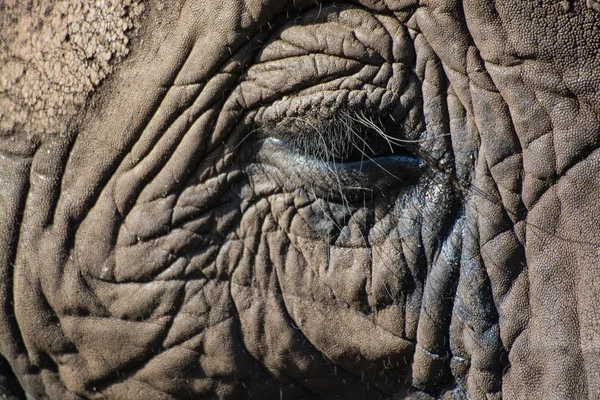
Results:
53 54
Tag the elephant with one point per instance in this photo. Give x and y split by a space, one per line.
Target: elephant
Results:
298 199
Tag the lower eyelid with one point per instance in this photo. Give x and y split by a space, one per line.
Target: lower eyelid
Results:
352 180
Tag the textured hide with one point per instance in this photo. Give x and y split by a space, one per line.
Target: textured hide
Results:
293 200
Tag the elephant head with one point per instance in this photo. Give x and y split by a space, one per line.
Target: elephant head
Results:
302 199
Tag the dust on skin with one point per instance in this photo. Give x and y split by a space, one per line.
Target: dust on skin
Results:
53 54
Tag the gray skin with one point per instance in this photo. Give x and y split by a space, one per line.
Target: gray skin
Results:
209 226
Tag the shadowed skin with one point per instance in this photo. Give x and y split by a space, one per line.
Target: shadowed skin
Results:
289 199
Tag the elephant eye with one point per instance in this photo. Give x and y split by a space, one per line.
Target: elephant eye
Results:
356 139
337 104
347 156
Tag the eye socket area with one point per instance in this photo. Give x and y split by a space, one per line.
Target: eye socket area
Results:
348 157
346 138
347 147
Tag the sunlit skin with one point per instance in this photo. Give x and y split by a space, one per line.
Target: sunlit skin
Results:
295 200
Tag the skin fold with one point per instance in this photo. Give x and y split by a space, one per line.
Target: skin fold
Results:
280 199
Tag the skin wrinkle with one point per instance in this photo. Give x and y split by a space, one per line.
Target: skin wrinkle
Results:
529 241
266 370
305 339
347 369
515 289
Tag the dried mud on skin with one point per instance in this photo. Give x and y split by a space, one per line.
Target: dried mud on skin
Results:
53 54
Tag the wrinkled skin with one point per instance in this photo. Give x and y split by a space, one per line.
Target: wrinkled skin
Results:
209 228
